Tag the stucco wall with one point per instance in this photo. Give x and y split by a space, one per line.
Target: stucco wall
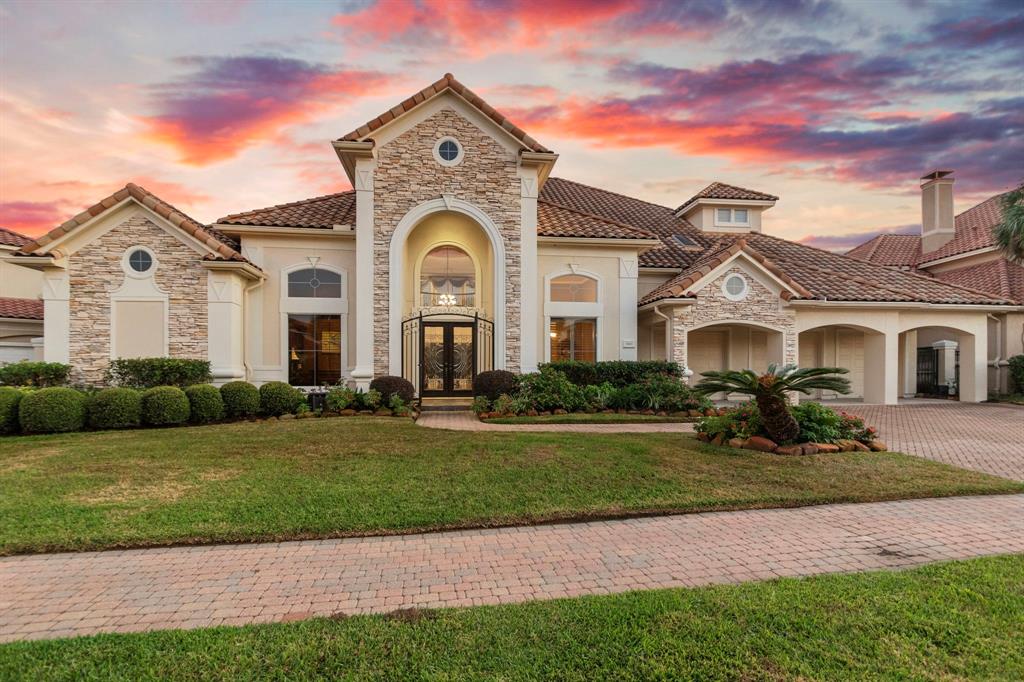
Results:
94 272
19 282
407 175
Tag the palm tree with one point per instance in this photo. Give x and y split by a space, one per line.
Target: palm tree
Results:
770 389
1009 234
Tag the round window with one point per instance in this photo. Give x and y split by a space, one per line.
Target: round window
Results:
448 151
735 287
140 260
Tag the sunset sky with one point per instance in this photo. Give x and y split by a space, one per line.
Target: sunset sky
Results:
837 107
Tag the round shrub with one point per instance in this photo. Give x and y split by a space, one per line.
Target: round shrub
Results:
277 398
165 406
495 383
389 386
52 410
10 398
115 408
241 399
205 403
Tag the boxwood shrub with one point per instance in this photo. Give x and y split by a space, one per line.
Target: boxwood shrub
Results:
10 398
151 372
40 374
277 398
241 399
52 410
115 408
389 386
495 383
205 403
616 372
164 406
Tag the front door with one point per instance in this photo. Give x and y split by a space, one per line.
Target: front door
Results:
449 358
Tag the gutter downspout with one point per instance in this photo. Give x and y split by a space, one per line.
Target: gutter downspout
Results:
245 326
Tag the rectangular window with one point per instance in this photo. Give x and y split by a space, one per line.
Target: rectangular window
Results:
314 349
730 216
739 215
573 338
724 215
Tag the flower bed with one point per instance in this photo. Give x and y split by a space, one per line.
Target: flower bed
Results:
821 430
550 391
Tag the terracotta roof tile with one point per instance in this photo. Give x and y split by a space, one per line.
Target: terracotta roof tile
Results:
12 238
322 212
897 250
554 220
973 230
447 82
21 308
218 243
998 276
720 190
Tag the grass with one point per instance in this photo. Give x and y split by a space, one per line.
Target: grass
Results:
948 621
267 481
596 418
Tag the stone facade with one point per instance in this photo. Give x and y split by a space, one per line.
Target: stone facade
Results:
407 175
761 306
94 272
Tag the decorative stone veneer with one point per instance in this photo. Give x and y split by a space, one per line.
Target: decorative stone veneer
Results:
407 175
761 306
95 272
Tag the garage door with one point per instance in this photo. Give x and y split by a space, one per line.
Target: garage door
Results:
15 353
850 354
705 351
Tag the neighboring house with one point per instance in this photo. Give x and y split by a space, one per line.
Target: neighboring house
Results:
21 310
957 250
457 252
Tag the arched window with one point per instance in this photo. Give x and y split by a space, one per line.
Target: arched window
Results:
447 278
314 283
574 289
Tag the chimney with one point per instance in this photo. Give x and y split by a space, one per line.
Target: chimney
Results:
936 209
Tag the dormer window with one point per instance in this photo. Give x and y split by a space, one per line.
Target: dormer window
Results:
732 216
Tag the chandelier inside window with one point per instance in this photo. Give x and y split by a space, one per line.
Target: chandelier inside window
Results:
447 278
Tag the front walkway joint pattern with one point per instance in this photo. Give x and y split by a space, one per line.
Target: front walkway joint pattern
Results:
59 595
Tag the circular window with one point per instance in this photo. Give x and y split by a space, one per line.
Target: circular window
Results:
140 260
735 287
448 151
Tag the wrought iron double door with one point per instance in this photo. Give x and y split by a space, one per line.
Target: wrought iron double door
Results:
448 358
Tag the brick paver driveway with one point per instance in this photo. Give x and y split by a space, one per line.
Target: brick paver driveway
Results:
984 437
187 587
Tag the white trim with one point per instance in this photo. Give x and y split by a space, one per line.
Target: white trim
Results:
732 222
338 231
596 241
443 161
957 256
735 297
741 203
129 271
396 273
757 267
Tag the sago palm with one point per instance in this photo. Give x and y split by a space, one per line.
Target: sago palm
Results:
770 389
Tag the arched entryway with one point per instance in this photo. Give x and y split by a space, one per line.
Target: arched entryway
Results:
733 345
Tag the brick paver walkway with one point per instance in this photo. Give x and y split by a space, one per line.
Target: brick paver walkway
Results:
467 421
77 594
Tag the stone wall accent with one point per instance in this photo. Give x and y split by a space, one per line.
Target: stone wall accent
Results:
94 272
407 175
762 305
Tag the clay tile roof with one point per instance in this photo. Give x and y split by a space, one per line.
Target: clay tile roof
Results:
720 190
225 248
554 220
323 212
12 238
447 82
897 250
973 230
21 308
998 276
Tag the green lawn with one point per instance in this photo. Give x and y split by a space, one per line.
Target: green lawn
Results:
951 621
333 477
596 418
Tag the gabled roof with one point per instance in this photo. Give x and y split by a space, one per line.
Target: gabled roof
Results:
221 247
321 212
897 250
447 82
554 220
12 238
681 285
21 308
998 276
720 190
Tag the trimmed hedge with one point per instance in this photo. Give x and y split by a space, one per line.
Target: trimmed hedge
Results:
618 373
495 383
153 372
10 398
115 408
28 373
389 386
241 399
52 410
205 403
164 406
1016 365
277 398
